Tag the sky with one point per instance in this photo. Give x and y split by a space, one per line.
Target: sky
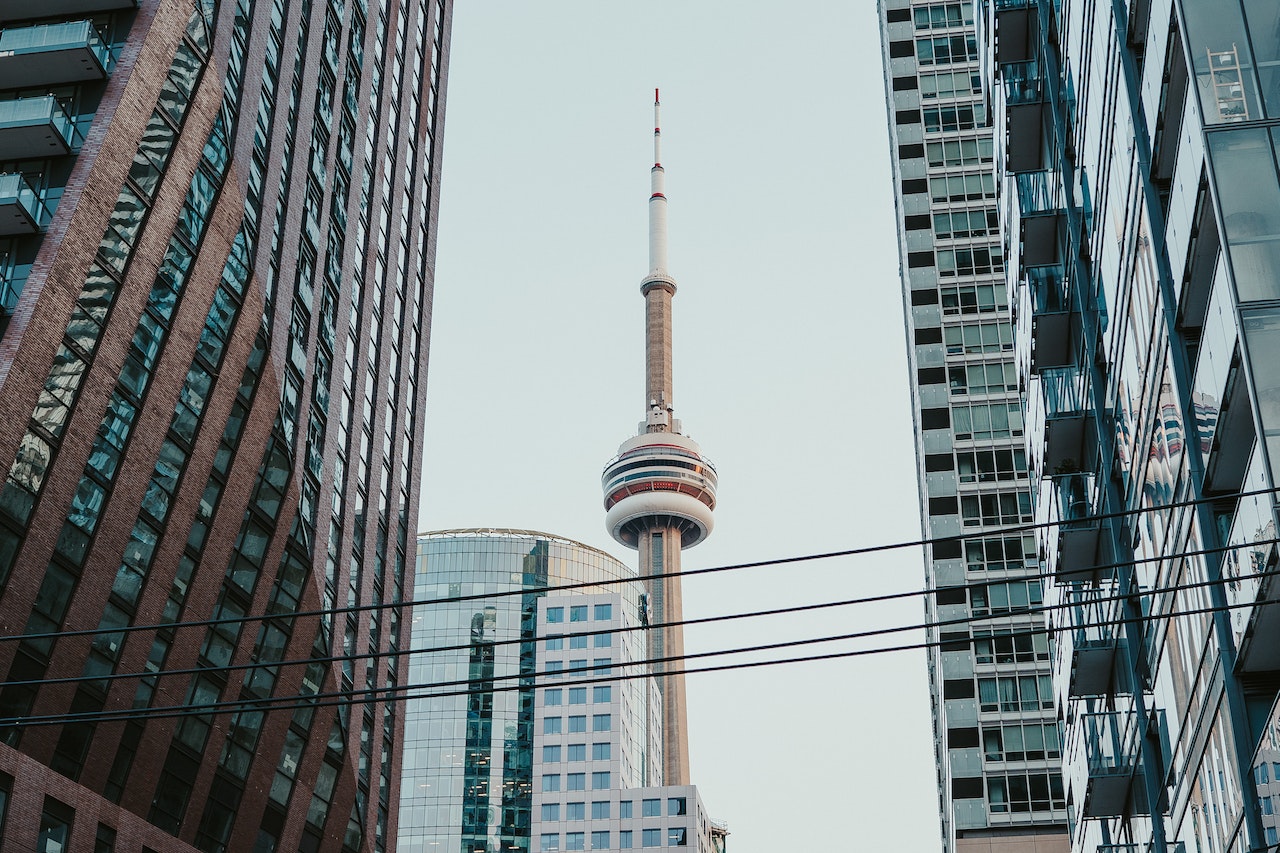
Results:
790 364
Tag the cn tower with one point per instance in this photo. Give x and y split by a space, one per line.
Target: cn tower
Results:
659 491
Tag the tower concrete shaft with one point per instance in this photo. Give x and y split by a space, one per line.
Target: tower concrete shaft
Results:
659 490
659 570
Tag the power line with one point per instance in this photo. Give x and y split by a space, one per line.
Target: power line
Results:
660 625
398 693
777 561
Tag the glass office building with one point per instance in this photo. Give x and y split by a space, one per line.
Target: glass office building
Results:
217 228
534 722
1000 784
1139 145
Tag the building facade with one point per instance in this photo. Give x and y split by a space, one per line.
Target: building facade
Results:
534 722
1140 154
217 228
996 738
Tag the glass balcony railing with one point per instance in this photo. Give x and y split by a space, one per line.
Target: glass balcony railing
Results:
52 54
35 127
1111 743
1048 286
1023 83
1064 390
21 211
1037 192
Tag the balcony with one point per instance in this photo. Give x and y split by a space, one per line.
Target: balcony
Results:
1041 219
35 127
1024 110
1079 533
1111 744
1169 847
1087 641
21 211
1054 323
1017 26
52 55
1065 392
19 10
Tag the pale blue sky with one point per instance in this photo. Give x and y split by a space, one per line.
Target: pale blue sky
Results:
789 359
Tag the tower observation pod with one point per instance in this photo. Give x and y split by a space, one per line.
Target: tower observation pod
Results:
660 491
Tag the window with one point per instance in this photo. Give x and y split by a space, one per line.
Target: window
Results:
578 613
602 693
600 810
996 508
624 840
575 841
676 836
550 811
549 841
600 840
651 808
577 724
604 612
555 614
985 421
602 723
578 666
55 827
972 187
601 751
1025 793
1014 742
577 752
971 338
997 378
575 811
942 15
973 299
1013 553
578 641
624 810
551 782
577 695
651 837
551 753
576 782
603 641
554 668
555 644
676 806
600 780
947 49
553 696
959 224
1005 597
1015 693
551 725
604 666
979 260
952 118
990 466
950 84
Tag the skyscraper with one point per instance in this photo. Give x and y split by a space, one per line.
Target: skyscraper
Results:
217 238
1140 147
990 672
660 490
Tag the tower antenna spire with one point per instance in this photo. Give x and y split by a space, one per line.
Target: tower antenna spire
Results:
658 198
